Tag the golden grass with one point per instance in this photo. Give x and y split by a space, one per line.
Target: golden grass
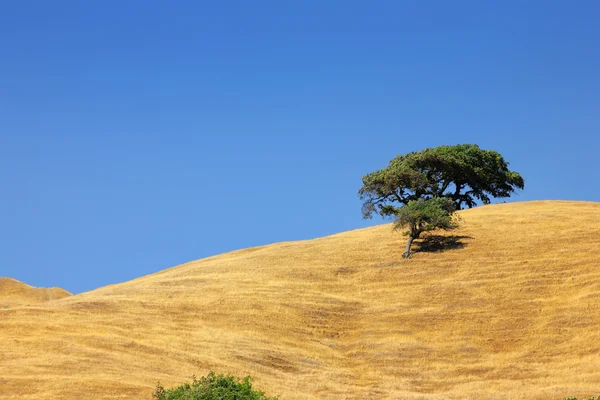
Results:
514 314
13 292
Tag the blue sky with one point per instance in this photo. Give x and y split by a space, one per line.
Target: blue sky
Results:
138 135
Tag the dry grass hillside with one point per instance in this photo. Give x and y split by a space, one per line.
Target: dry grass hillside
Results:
13 292
511 310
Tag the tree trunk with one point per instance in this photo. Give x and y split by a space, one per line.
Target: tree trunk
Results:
406 253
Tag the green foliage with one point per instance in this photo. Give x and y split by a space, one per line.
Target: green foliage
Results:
463 173
426 215
589 398
213 387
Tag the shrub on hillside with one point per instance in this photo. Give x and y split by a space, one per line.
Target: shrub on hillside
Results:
213 387
589 398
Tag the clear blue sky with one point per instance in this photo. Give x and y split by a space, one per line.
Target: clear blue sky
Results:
137 135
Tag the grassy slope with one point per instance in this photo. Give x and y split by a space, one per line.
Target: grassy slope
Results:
513 314
13 292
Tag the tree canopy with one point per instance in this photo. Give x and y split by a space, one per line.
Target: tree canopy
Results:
463 173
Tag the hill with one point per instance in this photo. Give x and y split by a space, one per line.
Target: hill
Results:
13 292
510 309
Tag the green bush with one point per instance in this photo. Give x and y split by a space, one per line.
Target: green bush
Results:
589 398
213 387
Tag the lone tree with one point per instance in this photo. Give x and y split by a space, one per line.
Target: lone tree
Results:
412 186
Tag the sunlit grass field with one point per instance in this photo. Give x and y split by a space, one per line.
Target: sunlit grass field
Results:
510 309
13 292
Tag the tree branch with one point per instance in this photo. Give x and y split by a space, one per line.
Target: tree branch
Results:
444 187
